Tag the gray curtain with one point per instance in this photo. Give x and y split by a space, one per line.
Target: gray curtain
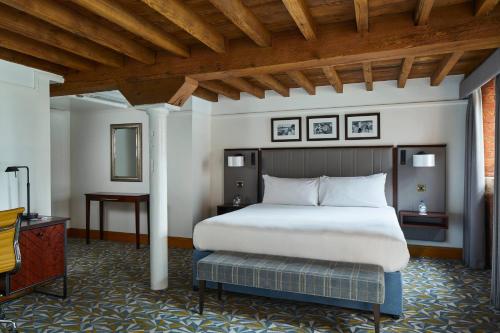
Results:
474 253
495 246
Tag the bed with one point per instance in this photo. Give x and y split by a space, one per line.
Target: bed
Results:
352 234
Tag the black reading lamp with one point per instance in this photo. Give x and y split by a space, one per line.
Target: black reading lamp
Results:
15 169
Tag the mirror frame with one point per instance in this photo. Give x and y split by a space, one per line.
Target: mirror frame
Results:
138 152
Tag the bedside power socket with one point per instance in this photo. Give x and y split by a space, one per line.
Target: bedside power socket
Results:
239 184
421 188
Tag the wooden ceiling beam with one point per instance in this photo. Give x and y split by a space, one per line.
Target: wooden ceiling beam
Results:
405 71
361 10
367 74
445 66
334 78
221 88
245 20
483 7
139 92
20 23
185 91
337 45
206 94
15 42
116 13
26 60
75 88
243 85
302 16
273 84
299 78
423 12
67 19
185 18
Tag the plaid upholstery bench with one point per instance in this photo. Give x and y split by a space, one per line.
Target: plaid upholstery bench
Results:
350 281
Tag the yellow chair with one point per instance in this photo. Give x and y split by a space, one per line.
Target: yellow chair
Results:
10 256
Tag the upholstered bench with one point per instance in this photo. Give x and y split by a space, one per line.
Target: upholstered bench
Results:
349 281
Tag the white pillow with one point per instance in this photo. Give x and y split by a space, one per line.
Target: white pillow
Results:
366 191
291 191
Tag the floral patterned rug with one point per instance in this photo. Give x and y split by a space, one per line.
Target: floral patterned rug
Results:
109 292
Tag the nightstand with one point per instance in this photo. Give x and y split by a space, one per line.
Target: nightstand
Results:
419 227
227 208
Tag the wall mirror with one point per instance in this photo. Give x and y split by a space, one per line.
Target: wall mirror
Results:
126 152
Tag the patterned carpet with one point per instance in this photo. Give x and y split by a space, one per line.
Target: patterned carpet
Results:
108 284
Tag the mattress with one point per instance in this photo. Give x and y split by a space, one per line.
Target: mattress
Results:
348 234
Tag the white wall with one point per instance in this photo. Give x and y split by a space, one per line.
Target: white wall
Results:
418 114
91 161
60 162
85 128
25 136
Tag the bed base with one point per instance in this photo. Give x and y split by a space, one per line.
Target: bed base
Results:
393 305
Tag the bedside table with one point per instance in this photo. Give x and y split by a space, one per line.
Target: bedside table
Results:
227 208
430 220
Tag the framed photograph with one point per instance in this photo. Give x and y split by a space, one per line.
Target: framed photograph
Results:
362 126
322 128
286 129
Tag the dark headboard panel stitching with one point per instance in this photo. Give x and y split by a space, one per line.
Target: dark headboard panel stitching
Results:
329 161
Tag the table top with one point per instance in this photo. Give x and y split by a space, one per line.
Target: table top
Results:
42 221
118 194
417 214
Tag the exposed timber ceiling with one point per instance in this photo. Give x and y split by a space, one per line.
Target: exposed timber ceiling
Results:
167 50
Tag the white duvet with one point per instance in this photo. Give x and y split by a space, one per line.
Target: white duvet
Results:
349 234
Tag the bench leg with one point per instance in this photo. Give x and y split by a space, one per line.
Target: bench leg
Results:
219 291
376 317
201 293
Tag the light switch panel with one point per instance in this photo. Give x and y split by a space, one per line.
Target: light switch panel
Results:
421 188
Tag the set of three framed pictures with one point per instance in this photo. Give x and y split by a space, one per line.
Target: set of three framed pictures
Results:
360 126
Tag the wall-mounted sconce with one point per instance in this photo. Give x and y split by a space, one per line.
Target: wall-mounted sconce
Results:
423 160
236 161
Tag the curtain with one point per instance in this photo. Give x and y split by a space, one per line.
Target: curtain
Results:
495 246
474 233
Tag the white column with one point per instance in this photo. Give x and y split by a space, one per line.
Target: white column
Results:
158 197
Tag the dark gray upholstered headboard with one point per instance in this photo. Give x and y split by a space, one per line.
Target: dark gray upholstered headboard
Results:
329 161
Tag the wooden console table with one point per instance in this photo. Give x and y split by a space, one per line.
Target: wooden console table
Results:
136 198
42 242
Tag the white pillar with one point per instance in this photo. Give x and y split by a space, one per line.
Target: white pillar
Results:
158 196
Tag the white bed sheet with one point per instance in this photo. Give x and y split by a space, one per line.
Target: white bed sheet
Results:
349 234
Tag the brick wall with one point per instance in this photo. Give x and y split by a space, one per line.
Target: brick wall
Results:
488 92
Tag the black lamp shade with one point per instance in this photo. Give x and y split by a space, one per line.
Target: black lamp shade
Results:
12 169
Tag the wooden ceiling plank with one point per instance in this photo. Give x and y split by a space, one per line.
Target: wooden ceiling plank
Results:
243 85
483 7
245 20
299 78
273 84
116 13
221 88
361 10
445 66
26 60
185 91
334 78
423 12
405 71
67 19
184 17
20 23
206 94
338 45
302 16
15 42
368 76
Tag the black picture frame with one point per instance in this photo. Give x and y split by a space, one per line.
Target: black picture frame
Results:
299 123
310 138
348 134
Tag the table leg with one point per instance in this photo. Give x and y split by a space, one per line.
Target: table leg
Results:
149 233
101 220
137 225
376 317
87 221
